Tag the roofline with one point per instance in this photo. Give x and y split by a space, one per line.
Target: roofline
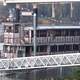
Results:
53 27
36 1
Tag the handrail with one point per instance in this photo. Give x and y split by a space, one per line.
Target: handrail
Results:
35 62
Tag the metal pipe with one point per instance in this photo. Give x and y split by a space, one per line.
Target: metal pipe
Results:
53 10
34 25
71 14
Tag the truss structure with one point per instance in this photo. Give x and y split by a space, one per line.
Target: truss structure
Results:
46 61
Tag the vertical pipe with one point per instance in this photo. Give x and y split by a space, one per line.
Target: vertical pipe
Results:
53 11
34 26
71 14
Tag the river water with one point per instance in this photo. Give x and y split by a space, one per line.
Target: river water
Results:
38 74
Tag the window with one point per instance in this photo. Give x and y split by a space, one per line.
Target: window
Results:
32 34
58 32
61 47
26 34
75 47
8 29
5 49
68 47
42 49
67 32
16 28
10 49
78 32
53 48
72 32
41 33
62 32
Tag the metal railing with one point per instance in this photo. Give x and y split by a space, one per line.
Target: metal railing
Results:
47 40
59 39
46 61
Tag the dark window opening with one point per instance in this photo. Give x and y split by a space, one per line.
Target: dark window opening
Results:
72 32
61 47
53 48
26 34
41 48
32 34
62 32
10 49
67 32
8 29
16 28
68 47
27 51
78 32
58 32
41 33
75 47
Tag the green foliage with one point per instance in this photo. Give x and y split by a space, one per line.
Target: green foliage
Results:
75 74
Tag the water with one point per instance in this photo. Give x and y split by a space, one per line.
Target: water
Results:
30 75
39 74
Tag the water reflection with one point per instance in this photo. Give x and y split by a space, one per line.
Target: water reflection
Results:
41 74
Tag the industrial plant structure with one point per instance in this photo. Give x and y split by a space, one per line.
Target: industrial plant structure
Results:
50 39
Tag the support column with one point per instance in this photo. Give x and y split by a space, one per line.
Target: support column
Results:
53 11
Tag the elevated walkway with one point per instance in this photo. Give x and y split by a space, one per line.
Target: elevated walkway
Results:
46 61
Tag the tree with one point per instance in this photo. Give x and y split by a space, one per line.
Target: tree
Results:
75 74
